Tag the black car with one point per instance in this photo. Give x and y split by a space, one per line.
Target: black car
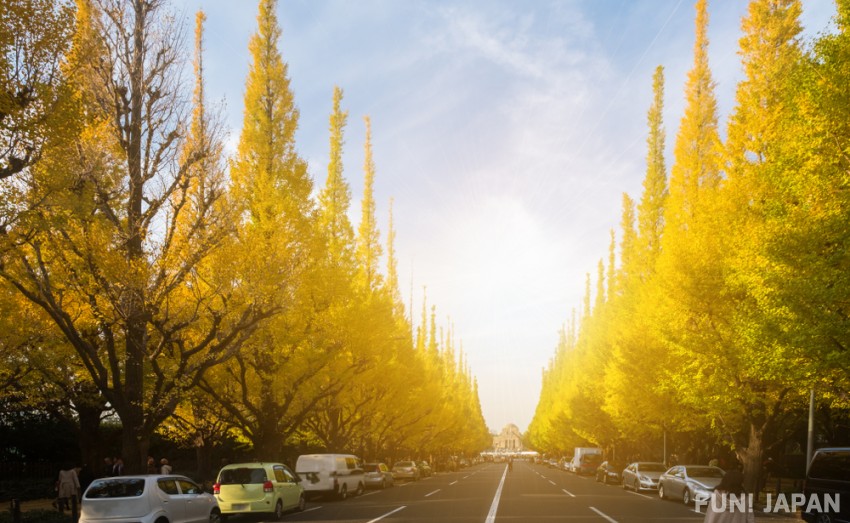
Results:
828 483
610 472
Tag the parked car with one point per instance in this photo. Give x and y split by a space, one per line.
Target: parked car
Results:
406 470
251 488
587 464
146 499
377 475
643 475
687 482
610 472
828 479
425 469
335 474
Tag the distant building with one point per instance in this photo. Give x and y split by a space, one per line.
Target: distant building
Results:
510 439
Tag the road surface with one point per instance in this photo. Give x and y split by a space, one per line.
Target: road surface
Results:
490 494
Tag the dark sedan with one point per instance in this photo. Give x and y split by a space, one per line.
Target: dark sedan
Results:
610 472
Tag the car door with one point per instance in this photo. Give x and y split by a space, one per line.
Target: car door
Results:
290 491
170 500
680 482
196 504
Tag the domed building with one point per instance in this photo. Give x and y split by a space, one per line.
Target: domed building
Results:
510 439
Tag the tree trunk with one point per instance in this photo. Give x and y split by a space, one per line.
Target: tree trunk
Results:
752 458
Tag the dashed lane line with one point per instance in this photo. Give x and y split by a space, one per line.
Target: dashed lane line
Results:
568 493
432 493
390 513
607 518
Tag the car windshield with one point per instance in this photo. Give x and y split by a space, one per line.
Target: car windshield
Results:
704 472
242 476
116 488
651 467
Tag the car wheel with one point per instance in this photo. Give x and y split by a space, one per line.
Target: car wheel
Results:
278 510
686 497
360 489
661 492
215 516
302 503
343 492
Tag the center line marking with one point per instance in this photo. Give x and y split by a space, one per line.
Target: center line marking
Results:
491 516
430 493
390 513
452 483
568 493
552 482
610 520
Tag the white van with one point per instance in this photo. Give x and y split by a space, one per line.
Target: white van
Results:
338 474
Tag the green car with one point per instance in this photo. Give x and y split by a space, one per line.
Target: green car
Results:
249 488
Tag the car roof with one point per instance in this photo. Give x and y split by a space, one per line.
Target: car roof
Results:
254 464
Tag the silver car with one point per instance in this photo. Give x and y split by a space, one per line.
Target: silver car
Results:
147 499
689 482
643 475
406 470
377 475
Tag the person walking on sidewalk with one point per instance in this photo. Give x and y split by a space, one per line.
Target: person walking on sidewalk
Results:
67 486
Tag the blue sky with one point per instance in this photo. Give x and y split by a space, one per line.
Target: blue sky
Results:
506 133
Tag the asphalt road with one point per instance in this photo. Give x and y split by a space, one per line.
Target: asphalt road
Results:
490 494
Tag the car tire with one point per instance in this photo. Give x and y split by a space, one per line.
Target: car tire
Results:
278 510
661 491
215 516
686 497
302 503
343 492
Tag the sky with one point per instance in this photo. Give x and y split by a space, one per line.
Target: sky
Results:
505 133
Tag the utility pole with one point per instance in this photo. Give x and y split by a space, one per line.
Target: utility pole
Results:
810 446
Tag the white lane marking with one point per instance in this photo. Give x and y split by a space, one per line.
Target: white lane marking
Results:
491 516
453 482
430 493
311 509
610 520
641 495
390 513
466 477
552 482
565 491
369 493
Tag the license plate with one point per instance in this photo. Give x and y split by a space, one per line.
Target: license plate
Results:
239 506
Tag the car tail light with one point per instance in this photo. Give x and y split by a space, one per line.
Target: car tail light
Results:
268 486
217 488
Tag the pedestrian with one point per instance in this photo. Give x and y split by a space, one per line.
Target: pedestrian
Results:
118 466
151 466
67 486
730 503
107 467
164 468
